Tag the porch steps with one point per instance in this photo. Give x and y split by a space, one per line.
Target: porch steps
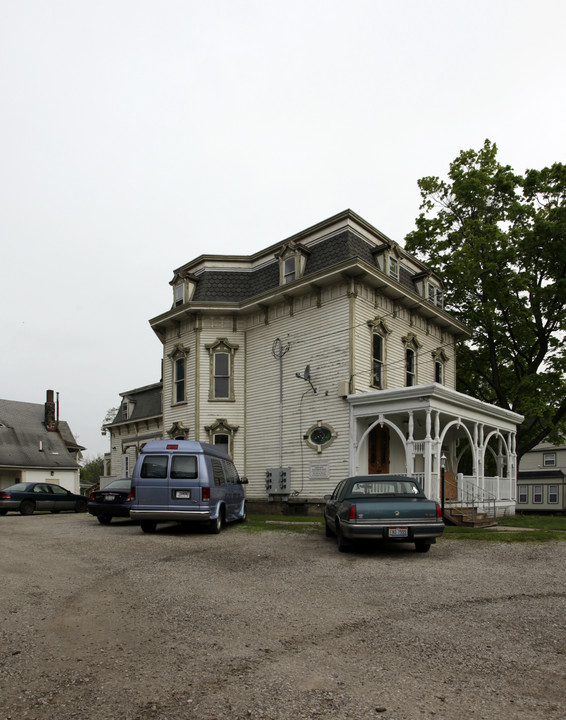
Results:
468 517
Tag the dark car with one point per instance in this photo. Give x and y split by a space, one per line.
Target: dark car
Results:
29 497
391 508
114 500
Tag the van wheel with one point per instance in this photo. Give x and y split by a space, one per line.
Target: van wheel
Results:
215 526
148 526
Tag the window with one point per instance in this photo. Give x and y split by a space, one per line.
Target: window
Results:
553 493
438 372
180 379
124 410
549 459
377 361
154 466
221 354
222 442
537 494
523 493
410 367
126 466
431 293
179 294
394 268
439 298
217 472
221 375
184 467
289 270
178 359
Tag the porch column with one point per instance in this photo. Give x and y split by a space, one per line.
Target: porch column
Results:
428 455
410 455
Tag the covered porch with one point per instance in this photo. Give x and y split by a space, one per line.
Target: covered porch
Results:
462 450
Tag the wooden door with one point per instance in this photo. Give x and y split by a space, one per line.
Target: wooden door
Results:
378 450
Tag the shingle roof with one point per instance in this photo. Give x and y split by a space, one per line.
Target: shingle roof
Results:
235 286
145 402
25 442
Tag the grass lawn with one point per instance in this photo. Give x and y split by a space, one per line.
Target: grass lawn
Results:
510 529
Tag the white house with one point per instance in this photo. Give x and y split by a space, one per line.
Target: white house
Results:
541 483
328 354
36 446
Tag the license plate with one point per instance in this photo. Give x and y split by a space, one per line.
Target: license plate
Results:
183 494
399 532
109 498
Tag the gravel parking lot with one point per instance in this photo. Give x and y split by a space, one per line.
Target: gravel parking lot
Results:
108 623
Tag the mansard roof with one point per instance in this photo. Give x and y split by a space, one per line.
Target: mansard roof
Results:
343 244
144 402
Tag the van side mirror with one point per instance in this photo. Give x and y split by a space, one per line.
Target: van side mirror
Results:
243 481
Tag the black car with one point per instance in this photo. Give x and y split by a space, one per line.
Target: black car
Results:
31 496
114 500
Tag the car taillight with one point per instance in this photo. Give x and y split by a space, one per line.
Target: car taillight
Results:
172 447
131 495
91 496
353 513
5 496
438 511
206 493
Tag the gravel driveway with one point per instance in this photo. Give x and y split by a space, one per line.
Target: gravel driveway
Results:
107 623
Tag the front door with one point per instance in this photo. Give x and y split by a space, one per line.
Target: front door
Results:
378 450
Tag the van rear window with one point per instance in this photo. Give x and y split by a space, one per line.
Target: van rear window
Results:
154 466
184 466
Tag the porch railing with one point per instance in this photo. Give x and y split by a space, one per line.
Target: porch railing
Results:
462 493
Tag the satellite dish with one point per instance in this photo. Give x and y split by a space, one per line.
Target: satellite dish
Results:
307 375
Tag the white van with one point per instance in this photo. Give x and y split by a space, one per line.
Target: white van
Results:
186 481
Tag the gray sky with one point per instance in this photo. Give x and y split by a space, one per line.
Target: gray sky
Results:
136 135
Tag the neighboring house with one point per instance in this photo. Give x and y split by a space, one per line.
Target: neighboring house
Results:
138 420
326 355
541 483
36 446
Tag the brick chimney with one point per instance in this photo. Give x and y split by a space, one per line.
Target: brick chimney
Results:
50 421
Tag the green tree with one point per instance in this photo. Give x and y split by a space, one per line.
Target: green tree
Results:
92 470
498 239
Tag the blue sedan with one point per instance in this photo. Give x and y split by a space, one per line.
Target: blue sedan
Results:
114 500
26 498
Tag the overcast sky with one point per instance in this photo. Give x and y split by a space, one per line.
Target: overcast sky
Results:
136 135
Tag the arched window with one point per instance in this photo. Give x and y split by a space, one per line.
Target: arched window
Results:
222 354
179 374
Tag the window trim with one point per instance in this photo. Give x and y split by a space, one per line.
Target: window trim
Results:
177 353
549 456
222 427
393 267
552 494
537 493
179 294
180 382
523 494
221 346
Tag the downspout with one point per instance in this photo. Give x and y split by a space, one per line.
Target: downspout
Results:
198 331
352 295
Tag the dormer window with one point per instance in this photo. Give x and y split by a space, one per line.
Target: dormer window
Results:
394 268
289 267
292 262
434 295
179 294
124 410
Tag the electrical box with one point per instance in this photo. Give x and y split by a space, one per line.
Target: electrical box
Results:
278 481
343 388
